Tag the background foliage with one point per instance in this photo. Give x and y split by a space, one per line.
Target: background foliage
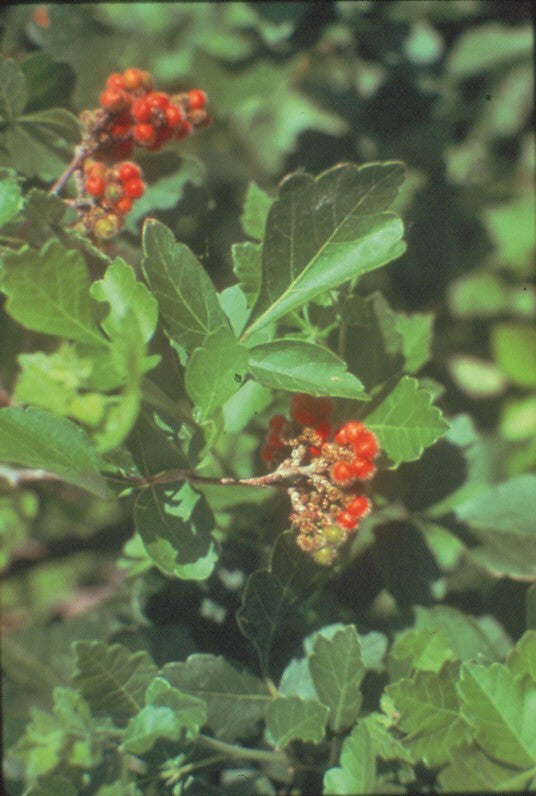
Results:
177 640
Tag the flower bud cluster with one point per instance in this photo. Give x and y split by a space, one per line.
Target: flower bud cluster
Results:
327 504
130 113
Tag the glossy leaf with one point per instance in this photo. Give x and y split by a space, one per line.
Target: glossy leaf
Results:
175 527
337 671
236 700
187 299
499 707
297 366
291 718
48 291
406 422
112 679
357 770
34 438
429 710
215 371
321 233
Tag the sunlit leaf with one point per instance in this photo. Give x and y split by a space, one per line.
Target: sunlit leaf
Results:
290 717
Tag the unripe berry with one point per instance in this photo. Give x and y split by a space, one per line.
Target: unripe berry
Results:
342 472
146 80
144 134
128 170
106 226
121 128
360 506
196 99
94 186
94 168
113 192
347 520
132 78
333 534
134 188
324 557
115 80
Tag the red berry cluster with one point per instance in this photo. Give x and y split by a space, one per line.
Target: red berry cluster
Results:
326 503
130 113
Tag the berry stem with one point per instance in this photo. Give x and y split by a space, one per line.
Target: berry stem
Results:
282 478
80 154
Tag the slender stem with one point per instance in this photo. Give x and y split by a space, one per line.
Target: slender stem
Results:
80 154
279 478
239 751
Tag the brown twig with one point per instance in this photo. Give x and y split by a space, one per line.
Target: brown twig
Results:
80 154
283 477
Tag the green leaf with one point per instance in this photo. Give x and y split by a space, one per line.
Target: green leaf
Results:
357 770
175 526
514 350
490 46
236 700
384 743
297 366
406 422
48 291
321 233
10 196
291 718
429 711
168 713
422 649
234 303
256 207
187 299
271 596
337 671
499 706
13 94
468 637
416 331
48 82
112 679
37 439
296 680
215 371
470 770
126 296
247 261
502 519
522 658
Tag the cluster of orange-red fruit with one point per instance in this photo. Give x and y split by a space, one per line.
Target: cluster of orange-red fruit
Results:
329 507
130 113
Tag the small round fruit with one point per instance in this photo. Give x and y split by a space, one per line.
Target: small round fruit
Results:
144 134
324 556
342 472
196 99
113 100
132 78
174 116
123 206
367 445
94 186
134 188
347 520
141 110
157 99
360 506
277 423
362 468
115 80
354 429
128 170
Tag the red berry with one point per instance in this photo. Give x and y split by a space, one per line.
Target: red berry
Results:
157 99
340 436
314 451
323 430
141 110
114 100
277 423
266 454
196 99
132 78
123 206
144 134
342 472
128 170
95 186
323 407
354 429
134 188
121 128
362 468
184 130
274 440
346 520
360 506
115 80
367 445
162 135
174 115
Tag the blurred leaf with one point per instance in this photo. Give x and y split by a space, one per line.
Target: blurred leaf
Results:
175 526
499 707
511 227
478 295
48 82
337 671
37 439
357 771
514 350
215 371
322 232
502 518
255 213
416 333
48 291
270 596
470 769
187 299
236 700
406 422
13 95
476 377
298 366
522 658
518 419
247 260
168 713
429 711
418 650
489 46
11 200
290 717
112 679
